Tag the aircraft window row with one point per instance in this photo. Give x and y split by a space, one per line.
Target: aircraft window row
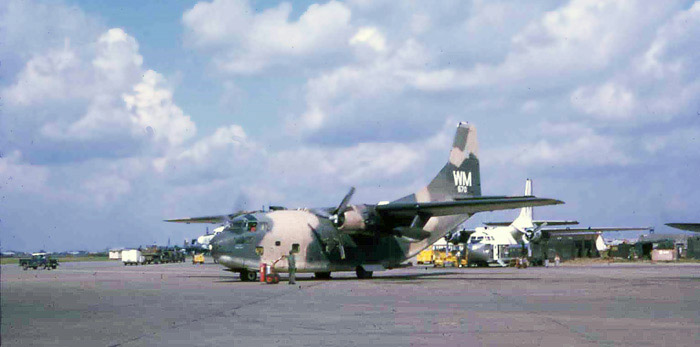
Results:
477 239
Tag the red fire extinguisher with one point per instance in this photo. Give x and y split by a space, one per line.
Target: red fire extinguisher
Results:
263 272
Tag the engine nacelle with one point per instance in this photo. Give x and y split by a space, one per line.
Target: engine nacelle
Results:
353 219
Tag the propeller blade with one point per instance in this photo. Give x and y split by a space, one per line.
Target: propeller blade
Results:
346 200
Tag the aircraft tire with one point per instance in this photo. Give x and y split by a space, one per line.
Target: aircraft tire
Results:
248 276
362 273
322 275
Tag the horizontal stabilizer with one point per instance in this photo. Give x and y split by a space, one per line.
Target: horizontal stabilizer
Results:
498 224
462 206
685 226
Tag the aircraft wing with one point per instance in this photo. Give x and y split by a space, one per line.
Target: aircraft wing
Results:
591 230
462 206
208 219
535 222
685 226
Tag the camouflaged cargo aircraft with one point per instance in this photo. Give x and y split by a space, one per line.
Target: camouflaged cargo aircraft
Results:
491 244
364 237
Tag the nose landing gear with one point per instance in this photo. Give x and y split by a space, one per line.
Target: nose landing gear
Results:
249 276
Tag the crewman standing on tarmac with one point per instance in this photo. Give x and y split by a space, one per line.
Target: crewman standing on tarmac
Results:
291 259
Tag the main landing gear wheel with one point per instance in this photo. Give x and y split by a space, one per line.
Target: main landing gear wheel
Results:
248 276
362 273
322 275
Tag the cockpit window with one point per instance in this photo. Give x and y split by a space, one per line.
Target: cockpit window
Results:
246 223
476 239
237 225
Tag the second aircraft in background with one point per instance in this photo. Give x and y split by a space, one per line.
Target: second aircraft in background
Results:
500 242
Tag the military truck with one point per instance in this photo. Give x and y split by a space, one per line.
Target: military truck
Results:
173 256
156 255
38 260
153 255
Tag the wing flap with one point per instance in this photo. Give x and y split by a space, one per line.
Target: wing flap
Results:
463 206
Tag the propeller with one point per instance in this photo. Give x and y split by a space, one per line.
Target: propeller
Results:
337 217
533 234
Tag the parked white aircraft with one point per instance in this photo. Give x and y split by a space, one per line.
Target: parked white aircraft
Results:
203 243
492 243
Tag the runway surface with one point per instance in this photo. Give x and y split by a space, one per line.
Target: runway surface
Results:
108 304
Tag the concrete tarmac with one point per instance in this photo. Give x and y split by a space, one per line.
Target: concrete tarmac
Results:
108 304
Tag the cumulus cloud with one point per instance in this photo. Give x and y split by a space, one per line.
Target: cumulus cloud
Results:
98 93
564 144
245 42
608 100
151 106
662 82
226 151
18 176
41 78
339 92
370 37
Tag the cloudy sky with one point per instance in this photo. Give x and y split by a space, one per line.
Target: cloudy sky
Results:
116 115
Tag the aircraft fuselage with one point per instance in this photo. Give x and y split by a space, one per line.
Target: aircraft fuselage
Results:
320 246
267 237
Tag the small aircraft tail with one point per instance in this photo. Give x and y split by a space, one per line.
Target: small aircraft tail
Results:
460 177
524 219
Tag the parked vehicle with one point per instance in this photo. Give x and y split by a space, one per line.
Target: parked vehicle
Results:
198 259
38 260
132 257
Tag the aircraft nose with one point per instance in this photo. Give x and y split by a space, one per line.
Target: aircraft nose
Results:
217 245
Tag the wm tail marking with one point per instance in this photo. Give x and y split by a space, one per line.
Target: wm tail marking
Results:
463 180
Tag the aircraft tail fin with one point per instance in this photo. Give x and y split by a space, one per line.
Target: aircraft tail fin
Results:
524 219
460 177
